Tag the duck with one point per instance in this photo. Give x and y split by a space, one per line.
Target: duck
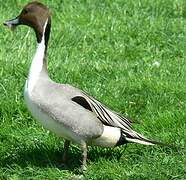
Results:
63 109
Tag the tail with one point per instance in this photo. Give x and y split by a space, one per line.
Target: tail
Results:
135 137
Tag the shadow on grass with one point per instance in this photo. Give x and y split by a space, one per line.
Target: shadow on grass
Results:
44 157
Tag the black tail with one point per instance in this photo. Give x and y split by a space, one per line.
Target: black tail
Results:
135 137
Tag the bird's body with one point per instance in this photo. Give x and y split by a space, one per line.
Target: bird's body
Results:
63 109
50 103
53 107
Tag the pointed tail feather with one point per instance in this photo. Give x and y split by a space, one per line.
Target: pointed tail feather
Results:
140 139
145 141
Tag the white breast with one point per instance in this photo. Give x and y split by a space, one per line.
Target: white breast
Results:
46 121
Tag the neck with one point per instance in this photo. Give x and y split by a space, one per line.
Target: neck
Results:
43 30
38 67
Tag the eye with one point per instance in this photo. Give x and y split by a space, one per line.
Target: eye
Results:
25 11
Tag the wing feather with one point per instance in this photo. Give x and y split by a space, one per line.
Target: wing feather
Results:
112 118
107 116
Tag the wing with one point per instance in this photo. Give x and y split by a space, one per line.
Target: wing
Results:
111 118
104 114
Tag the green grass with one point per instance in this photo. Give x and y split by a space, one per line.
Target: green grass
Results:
108 48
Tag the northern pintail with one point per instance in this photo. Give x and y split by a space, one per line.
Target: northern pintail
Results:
64 109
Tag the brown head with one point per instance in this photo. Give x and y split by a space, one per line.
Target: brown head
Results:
34 15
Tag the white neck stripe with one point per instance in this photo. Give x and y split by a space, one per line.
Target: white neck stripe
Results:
37 63
44 28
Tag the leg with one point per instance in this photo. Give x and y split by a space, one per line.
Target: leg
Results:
65 153
84 154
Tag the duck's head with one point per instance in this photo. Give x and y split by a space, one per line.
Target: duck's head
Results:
35 15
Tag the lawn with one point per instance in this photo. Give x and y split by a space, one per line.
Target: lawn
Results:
129 54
